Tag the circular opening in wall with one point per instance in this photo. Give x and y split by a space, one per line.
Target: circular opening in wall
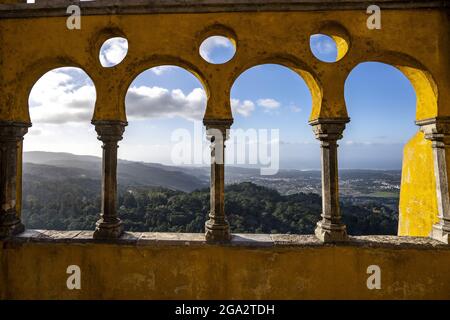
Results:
113 51
217 49
328 48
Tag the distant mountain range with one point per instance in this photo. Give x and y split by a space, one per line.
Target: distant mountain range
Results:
55 166
39 165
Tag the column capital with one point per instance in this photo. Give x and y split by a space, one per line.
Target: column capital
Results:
436 130
329 129
221 124
217 127
13 131
110 130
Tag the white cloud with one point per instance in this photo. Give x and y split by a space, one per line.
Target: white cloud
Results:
64 96
67 96
61 97
73 138
363 143
244 108
213 43
161 69
269 104
34 132
113 51
155 102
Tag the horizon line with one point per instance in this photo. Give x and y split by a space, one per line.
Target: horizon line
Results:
206 166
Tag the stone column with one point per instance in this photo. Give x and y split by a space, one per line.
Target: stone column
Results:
217 228
438 131
328 131
110 133
11 136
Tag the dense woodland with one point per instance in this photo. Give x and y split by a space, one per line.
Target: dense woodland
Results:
74 204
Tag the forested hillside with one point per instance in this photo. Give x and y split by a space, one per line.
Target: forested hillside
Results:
74 204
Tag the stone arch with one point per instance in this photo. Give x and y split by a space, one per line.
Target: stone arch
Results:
157 61
168 65
80 79
273 97
417 198
299 67
421 79
31 75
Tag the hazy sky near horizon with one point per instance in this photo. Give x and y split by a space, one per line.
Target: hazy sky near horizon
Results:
379 98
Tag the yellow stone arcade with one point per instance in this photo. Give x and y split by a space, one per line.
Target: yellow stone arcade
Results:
414 38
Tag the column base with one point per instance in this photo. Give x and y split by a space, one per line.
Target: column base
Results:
10 225
217 233
438 233
331 233
108 230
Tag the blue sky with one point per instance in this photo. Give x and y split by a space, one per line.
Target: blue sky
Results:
380 102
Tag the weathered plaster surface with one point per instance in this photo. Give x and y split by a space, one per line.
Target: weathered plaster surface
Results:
416 41
418 205
183 266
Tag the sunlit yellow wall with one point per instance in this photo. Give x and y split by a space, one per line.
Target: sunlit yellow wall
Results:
418 204
38 271
261 37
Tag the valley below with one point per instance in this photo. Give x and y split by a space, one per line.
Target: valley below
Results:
61 191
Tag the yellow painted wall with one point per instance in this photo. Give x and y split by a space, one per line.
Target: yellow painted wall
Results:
418 203
416 41
38 271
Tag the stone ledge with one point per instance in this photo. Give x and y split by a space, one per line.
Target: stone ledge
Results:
238 240
48 8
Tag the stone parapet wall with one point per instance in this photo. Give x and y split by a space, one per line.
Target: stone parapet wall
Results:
183 266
